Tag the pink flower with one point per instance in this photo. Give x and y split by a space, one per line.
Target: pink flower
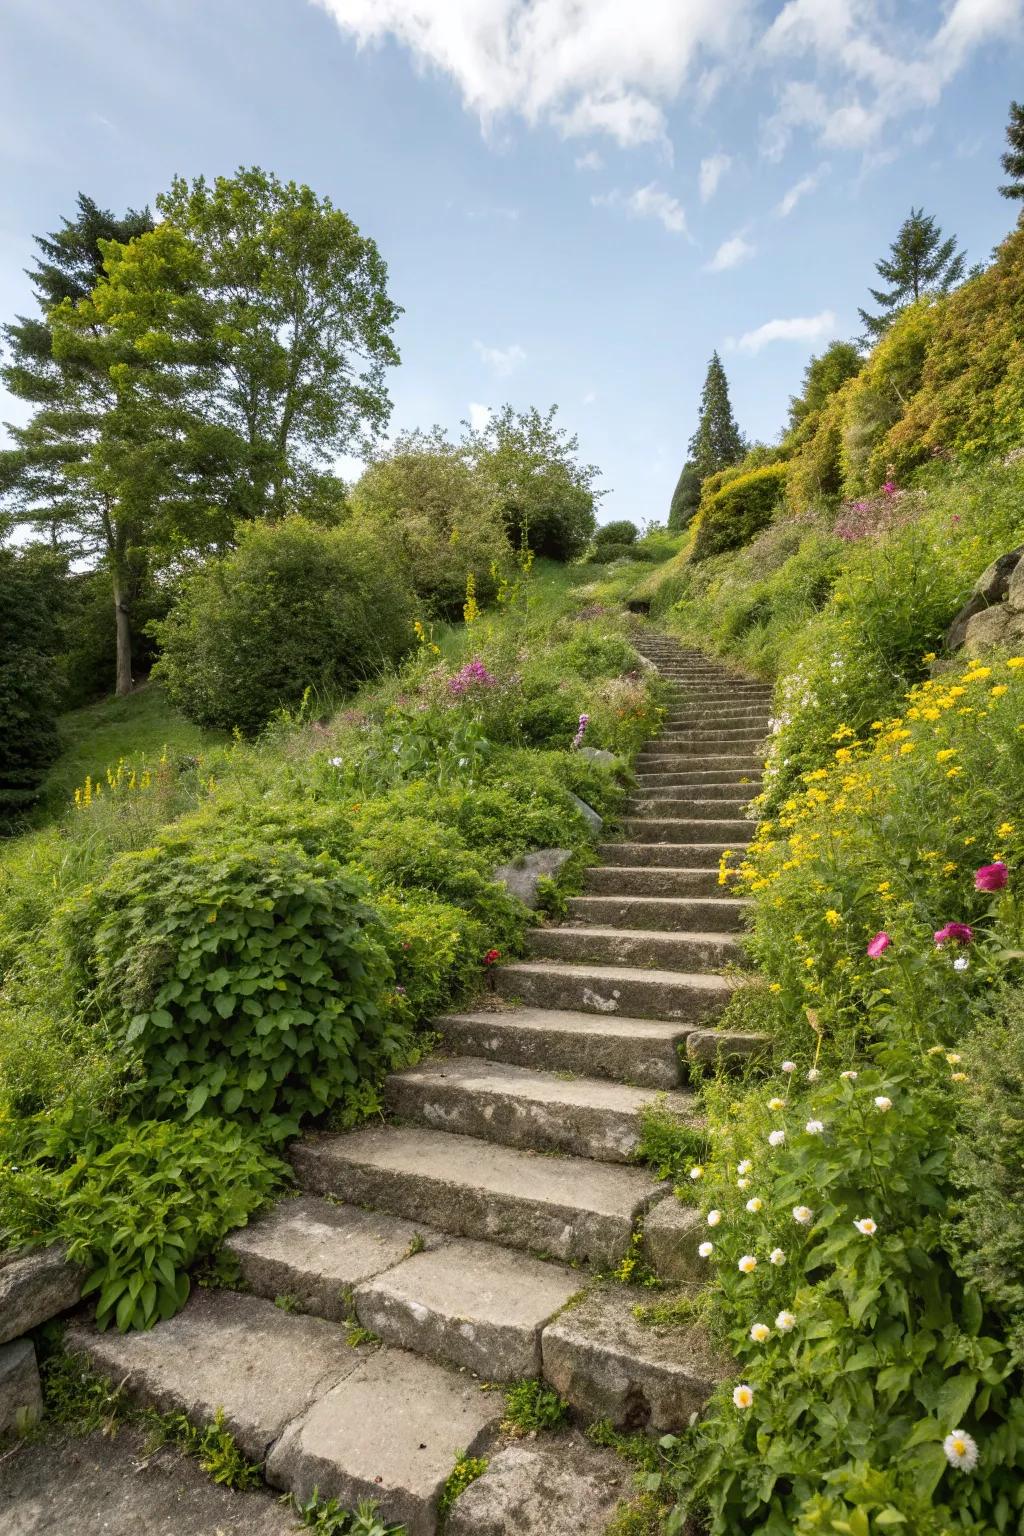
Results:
879 944
958 932
991 877
889 488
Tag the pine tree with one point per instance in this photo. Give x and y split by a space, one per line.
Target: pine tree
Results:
685 497
922 262
1013 160
717 442
70 390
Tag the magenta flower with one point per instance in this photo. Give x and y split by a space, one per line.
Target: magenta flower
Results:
991 877
879 944
473 674
581 731
958 932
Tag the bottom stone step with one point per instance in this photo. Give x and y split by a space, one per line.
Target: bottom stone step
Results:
558 1485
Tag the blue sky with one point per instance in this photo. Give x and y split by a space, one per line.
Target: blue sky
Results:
577 199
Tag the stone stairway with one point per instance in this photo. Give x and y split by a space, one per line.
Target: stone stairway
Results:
467 1232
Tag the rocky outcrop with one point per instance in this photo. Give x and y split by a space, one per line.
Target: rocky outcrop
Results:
993 615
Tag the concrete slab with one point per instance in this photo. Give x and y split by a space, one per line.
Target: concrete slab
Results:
555 1486
391 1431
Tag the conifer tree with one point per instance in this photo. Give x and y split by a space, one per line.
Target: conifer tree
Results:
717 442
1013 160
921 262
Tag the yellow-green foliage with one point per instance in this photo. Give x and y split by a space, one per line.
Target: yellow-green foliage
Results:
731 515
878 396
815 470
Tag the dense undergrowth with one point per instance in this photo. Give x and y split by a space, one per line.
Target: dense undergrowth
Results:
206 951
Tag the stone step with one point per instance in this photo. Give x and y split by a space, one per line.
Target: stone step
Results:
628 880
734 792
592 988
744 735
680 914
521 1107
610 1366
688 807
569 1207
746 774
720 719
354 1424
666 855
674 951
624 1050
468 1304
551 1485
658 755
678 829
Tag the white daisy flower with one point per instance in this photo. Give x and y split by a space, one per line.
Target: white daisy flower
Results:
851 1076
747 1264
776 1103
785 1322
882 1103
961 1450
813 1075
706 1250
814 1127
803 1214
742 1183
696 1172
759 1332
776 1138
743 1396
777 1256
745 1167
961 963
867 1225
714 1217
754 1205
788 1066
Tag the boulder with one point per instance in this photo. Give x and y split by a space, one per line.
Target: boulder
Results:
522 877
990 589
993 628
34 1287
21 1397
590 816
596 755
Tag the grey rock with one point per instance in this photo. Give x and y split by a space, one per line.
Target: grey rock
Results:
993 628
34 1287
318 1252
725 1046
590 816
470 1304
390 1432
1015 585
608 1365
672 1232
596 755
522 877
555 1486
21 1397
991 587
261 1365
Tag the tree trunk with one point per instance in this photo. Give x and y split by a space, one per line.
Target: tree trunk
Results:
124 639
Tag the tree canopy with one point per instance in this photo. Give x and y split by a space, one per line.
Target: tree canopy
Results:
921 262
717 442
1013 159
841 360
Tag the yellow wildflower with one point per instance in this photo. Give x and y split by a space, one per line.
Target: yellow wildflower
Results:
1006 830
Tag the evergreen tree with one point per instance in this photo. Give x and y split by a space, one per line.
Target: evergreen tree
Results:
41 476
1013 160
922 262
717 442
685 497
32 592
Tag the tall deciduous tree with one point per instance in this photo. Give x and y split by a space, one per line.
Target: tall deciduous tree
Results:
1013 159
546 495
717 442
922 262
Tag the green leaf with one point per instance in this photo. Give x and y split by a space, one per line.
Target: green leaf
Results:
196 1099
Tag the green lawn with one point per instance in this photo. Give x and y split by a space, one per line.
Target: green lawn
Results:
137 727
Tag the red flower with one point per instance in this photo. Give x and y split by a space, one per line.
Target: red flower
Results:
958 932
492 957
991 877
879 944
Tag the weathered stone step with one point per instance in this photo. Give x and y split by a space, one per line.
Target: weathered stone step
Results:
734 792
688 807
672 829
675 951
682 914
520 1107
625 1050
469 1304
744 735
354 1424
631 880
592 988
554 1485
746 775
725 719
569 1207
666 855
695 755
610 1366
317 1252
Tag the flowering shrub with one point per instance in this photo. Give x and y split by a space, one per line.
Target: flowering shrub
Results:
871 1393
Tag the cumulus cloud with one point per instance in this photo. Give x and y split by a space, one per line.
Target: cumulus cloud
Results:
591 161
800 328
800 189
731 253
502 360
607 67
712 169
650 202
479 415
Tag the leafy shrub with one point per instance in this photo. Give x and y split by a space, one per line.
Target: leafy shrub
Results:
616 533
438 515
136 1204
546 495
743 506
604 554
30 679
685 498
293 607
530 1407
815 475
247 975
875 400
988 1163
859 1349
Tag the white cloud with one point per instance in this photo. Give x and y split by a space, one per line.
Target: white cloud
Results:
649 202
591 161
798 190
503 360
607 67
712 169
731 253
479 415
800 328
